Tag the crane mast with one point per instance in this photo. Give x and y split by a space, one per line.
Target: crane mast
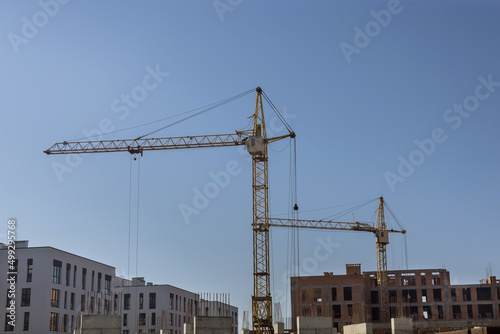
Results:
261 298
381 243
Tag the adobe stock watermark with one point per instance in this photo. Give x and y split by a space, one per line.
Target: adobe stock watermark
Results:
373 28
31 26
223 6
122 107
453 117
201 197
220 180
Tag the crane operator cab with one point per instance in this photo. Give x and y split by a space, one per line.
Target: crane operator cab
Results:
255 144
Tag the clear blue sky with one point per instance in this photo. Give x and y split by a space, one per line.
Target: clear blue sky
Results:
361 84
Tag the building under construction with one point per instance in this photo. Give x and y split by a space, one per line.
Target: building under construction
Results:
426 296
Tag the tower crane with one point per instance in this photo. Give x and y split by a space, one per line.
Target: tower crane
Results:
382 239
256 142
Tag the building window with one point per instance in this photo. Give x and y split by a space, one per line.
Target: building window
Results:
170 319
84 278
82 303
374 297
409 296
74 276
8 323
176 300
152 300
347 293
470 314
68 273
29 273
15 263
115 303
141 301
349 310
457 313
171 303
336 311
56 272
125 319
92 281
393 296
437 295
317 295
334 294
184 304
106 307
483 293
54 298
99 277
25 297
72 301
440 312
91 305
485 311
65 299
26 322
304 294
107 285
453 295
375 314
436 279
65 323
424 296
153 319
142 319
54 322
126 302
427 312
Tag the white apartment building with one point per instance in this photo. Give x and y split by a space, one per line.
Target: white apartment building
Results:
147 307
53 288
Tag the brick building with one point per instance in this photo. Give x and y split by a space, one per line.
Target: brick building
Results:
424 295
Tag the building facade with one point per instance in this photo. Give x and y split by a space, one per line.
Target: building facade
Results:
147 307
52 289
424 295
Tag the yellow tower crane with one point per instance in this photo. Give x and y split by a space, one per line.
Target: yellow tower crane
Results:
256 142
382 239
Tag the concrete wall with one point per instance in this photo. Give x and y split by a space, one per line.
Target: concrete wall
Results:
315 325
402 326
364 328
213 325
100 324
188 328
279 328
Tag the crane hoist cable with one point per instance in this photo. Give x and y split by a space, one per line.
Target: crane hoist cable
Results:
273 107
343 213
405 240
129 217
131 210
204 110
